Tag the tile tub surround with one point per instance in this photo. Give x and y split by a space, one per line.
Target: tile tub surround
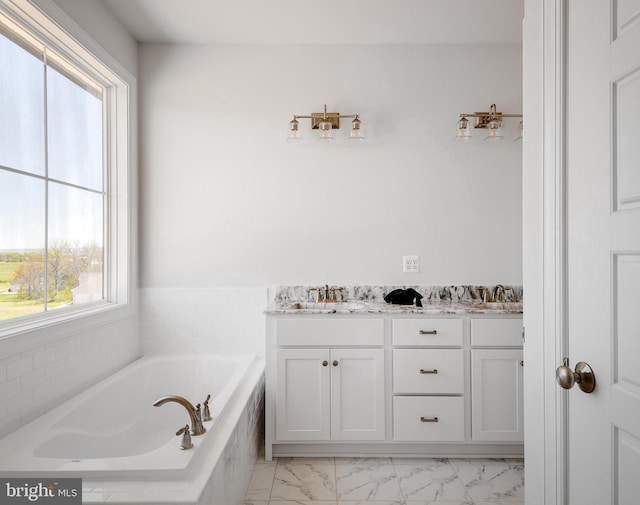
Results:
41 370
386 481
370 299
225 471
202 320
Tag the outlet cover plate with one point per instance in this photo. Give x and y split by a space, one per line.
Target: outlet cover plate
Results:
410 264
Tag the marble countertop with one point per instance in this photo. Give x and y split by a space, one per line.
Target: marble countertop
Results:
369 299
368 307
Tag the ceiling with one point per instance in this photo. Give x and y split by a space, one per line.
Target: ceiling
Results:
322 21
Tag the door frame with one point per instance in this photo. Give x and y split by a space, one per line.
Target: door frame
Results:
544 250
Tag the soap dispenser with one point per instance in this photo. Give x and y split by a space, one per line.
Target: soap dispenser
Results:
186 438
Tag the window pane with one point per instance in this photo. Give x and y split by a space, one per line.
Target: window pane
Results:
21 109
75 246
21 245
74 132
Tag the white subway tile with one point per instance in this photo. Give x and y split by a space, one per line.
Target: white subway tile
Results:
19 366
9 389
19 402
64 348
3 373
31 379
53 369
43 357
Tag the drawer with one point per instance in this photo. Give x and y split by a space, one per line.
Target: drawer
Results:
496 332
428 419
329 332
427 332
424 371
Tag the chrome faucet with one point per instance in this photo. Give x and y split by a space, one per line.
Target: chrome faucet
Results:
326 294
194 414
498 293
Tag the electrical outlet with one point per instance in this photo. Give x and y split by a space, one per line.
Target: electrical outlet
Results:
410 264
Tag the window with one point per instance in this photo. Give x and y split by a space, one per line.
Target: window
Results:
63 173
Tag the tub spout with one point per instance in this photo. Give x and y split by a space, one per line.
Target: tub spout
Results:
196 421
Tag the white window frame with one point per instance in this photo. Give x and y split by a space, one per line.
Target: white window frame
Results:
58 32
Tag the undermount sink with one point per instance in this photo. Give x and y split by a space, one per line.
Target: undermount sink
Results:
325 306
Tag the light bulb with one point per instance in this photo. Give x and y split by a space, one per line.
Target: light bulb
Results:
325 131
294 131
356 130
464 132
494 130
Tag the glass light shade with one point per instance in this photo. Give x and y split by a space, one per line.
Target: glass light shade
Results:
326 135
464 132
520 132
294 134
494 131
356 130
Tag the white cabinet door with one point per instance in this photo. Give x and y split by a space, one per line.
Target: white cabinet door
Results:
496 395
302 394
357 394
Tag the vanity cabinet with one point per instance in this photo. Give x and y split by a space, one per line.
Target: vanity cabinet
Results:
496 380
374 384
329 379
330 394
428 380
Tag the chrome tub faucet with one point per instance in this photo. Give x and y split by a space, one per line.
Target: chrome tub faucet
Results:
194 414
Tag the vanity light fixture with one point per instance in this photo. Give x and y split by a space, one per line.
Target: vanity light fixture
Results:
491 121
325 122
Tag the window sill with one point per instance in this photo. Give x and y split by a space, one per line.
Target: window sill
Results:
43 329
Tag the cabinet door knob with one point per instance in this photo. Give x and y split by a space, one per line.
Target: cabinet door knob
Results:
434 371
335 362
428 419
325 363
428 332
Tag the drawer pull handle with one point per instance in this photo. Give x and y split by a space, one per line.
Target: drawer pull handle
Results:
434 371
428 419
428 332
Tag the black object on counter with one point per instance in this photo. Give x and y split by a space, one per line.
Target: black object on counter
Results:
404 297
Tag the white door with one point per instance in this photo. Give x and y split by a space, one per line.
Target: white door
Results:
357 394
603 248
496 395
302 394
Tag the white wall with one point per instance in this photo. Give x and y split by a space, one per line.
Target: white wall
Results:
95 19
225 201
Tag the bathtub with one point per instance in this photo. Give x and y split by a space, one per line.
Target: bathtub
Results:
112 432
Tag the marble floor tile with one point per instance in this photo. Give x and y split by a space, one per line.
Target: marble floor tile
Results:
432 480
253 502
499 503
313 461
416 461
260 484
367 502
491 480
363 461
367 482
304 481
299 502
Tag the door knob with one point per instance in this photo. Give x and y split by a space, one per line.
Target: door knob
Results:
582 375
